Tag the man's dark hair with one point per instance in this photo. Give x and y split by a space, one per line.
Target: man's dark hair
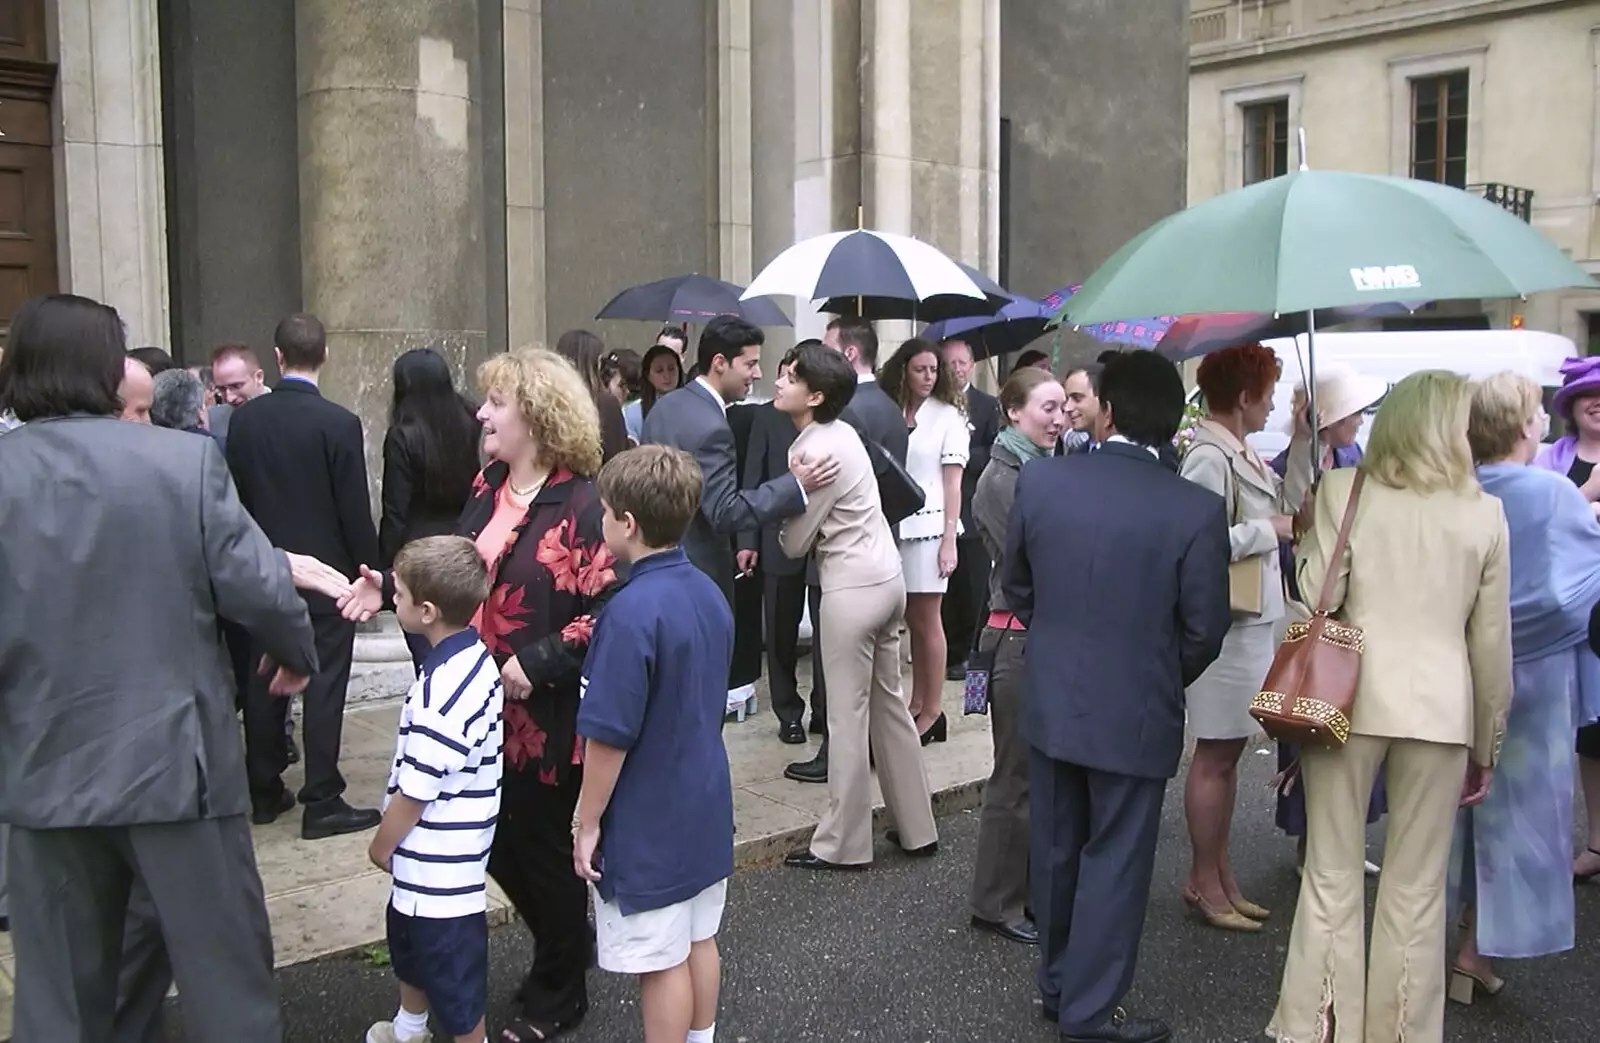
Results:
828 373
728 336
65 354
858 334
674 332
241 351
302 340
1145 395
1093 370
154 359
1108 354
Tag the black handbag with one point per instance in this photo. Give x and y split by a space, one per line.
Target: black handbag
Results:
899 493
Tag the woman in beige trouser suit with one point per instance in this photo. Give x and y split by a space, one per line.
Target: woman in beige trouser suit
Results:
1426 576
863 605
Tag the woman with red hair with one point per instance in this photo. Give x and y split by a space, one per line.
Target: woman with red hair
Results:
1237 384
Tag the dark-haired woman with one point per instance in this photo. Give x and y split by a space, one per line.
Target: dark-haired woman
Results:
660 372
863 603
587 354
936 453
430 456
1034 408
1237 384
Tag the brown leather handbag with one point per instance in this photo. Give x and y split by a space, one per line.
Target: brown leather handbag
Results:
1310 690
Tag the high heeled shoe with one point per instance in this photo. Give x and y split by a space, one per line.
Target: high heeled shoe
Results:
938 731
1465 985
1252 910
1584 878
1229 919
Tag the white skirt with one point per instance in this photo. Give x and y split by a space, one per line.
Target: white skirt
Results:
1219 702
919 560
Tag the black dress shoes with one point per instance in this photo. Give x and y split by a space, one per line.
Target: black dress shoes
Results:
264 811
925 851
804 859
813 770
791 732
1021 932
955 672
816 726
1120 1028
330 818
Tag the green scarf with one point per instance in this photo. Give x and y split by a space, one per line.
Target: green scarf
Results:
1020 445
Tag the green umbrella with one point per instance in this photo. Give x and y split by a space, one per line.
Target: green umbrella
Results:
1323 239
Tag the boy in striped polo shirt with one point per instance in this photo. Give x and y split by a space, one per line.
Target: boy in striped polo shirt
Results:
444 794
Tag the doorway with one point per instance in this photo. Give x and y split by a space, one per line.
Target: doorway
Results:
28 264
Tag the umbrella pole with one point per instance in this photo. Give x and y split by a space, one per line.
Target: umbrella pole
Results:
860 217
1311 395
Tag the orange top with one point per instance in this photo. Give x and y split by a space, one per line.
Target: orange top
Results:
496 535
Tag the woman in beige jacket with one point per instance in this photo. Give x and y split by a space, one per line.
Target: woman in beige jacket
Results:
1425 575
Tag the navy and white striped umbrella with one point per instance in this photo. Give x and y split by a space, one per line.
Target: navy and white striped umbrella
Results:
893 276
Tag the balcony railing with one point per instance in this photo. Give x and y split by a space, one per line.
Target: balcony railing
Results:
1517 200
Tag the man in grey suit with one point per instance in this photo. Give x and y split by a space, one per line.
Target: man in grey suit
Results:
694 419
124 762
877 418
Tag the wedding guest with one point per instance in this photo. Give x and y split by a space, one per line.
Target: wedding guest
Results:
1343 397
1034 358
1237 384
442 799
863 603
430 457
125 767
585 351
1575 455
1119 570
536 521
137 391
662 371
1082 411
1425 578
921 384
178 401
1031 402
1513 852
655 818
619 373
963 605
155 360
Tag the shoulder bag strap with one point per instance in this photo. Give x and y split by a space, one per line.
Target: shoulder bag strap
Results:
1230 484
1337 556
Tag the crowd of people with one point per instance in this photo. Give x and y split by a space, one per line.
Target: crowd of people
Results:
595 556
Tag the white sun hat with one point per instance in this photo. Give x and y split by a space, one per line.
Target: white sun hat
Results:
1341 392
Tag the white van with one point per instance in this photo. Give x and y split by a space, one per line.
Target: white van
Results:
1394 356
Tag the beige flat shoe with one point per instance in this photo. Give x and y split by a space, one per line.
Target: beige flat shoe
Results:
1229 919
1252 910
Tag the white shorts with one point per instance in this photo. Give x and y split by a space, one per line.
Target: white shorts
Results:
657 939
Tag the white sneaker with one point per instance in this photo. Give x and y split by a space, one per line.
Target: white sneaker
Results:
383 1032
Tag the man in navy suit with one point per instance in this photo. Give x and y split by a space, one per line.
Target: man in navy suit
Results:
1124 614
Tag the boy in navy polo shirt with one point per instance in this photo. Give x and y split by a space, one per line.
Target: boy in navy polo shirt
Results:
442 801
655 816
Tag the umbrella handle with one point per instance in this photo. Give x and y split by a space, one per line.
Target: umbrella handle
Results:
1311 394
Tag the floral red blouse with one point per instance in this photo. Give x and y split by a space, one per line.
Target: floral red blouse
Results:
547 586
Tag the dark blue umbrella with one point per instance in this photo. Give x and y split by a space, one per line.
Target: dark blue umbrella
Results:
691 298
1018 323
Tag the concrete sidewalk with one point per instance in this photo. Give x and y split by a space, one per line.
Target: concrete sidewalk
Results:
324 897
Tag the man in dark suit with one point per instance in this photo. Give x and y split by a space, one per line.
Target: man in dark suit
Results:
302 474
962 609
1122 617
784 580
694 419
877 418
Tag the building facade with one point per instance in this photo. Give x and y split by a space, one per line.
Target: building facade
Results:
481 174
1501 97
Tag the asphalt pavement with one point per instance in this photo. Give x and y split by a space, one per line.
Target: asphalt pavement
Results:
888 955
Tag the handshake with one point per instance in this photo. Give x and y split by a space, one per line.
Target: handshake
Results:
358 600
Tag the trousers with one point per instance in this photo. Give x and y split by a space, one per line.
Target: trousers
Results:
72 889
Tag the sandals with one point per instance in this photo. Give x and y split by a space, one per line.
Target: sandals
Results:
1465 985
522 1030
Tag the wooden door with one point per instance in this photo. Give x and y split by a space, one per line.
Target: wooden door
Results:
27 168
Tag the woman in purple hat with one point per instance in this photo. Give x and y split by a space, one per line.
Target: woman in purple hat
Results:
1576 455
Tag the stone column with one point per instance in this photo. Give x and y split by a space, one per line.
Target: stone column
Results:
112 195
524 109
391 189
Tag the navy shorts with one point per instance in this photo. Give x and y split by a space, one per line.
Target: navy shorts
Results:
448 960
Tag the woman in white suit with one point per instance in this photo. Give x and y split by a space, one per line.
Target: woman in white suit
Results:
1425 575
